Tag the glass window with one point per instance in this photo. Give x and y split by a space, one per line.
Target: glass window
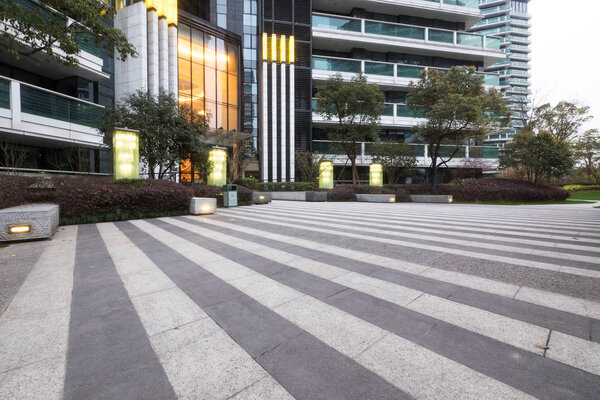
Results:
197 80
210 47
185 77
232 86
232 59
233 118
221 55
210 86
197 46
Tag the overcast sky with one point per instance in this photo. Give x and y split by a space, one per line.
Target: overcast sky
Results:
566 52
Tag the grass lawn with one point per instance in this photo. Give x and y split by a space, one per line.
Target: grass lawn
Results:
517 203
586 195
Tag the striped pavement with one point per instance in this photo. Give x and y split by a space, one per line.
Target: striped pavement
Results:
313 301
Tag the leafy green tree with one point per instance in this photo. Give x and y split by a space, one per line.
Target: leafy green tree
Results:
167 133
397 159
355 106
563 120
537 156
587 151
309 165
458 109
61 24
242 153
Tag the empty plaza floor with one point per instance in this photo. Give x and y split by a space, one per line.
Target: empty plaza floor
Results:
296 300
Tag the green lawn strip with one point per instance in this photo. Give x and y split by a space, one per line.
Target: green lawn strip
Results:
586 195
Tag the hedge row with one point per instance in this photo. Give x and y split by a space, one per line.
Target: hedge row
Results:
581 188
255 185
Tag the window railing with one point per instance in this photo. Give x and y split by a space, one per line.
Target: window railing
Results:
431 35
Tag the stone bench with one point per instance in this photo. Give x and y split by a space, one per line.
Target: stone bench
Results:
203 205
431 198
30 221
376 198
261 197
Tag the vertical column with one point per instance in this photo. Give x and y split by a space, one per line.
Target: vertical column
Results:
163 53
274 104
153 76
283 98
15 104
264 168
292 102
173 70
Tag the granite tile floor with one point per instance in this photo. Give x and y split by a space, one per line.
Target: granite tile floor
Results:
309 301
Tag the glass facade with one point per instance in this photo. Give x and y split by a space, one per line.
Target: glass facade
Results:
250 69
208 77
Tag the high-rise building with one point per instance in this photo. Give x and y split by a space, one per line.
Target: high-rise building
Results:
510 20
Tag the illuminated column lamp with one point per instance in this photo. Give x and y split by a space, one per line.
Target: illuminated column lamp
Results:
218 175
126 154
326 175
376 175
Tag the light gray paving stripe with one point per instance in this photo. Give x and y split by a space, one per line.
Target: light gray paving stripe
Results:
581 353
528 253
547 243
498 242
301 363
109 354
188 343
509 364
482 294
354 337
33 330
460 220
478 255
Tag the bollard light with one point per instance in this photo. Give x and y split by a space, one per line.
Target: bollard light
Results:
376 175
326 175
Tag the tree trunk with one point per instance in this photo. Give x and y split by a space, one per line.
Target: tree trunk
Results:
354 173
434 170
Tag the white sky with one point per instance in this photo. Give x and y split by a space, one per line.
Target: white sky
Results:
566 53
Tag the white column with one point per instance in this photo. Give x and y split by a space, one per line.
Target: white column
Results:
173 70
15 104
283 124
153 52
274 114
292 103
163 53
265 124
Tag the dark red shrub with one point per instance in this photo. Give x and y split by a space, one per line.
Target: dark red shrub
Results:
244 195
341 193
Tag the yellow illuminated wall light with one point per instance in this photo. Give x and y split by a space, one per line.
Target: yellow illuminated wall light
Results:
126 154
376 175
292 50
287 49
273 47
282 51
218 175
326 175
265 47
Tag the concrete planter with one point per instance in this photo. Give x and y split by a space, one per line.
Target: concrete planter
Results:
431 199
32 221
376 198
203 205
261 198
290 196
316 196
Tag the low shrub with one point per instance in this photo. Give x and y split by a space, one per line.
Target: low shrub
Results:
492 189
341 193
283 186
132 182
250 183
581 188
244 195
13 190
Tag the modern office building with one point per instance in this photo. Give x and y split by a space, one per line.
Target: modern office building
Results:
255 66
510 20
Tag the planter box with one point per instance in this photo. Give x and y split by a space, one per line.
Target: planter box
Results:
291 196
376 198
316 196
32 221
203 205
431 199
261 197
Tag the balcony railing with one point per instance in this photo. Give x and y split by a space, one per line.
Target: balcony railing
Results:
364 149
428 35
391 70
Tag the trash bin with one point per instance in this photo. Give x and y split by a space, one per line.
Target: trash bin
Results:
230 196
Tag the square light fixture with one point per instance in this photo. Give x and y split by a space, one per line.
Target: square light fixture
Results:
19 229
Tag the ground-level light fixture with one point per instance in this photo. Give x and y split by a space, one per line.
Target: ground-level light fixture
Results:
19 229
375 175
326 175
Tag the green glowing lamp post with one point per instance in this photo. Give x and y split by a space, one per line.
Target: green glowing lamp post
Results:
218 175
375 175
326 175
126 154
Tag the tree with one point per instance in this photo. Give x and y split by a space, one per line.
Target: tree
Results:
167 133
396 158
458 109
60 24
242 153
537 156
309 165
563 121
587 151
356 107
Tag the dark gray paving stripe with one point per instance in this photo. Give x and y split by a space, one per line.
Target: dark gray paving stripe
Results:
404 228
306 367
109 355
525 371
557 282
415 242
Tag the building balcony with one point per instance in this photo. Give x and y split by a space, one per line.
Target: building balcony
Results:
39 113
486 156
465 11
383 73
339 33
